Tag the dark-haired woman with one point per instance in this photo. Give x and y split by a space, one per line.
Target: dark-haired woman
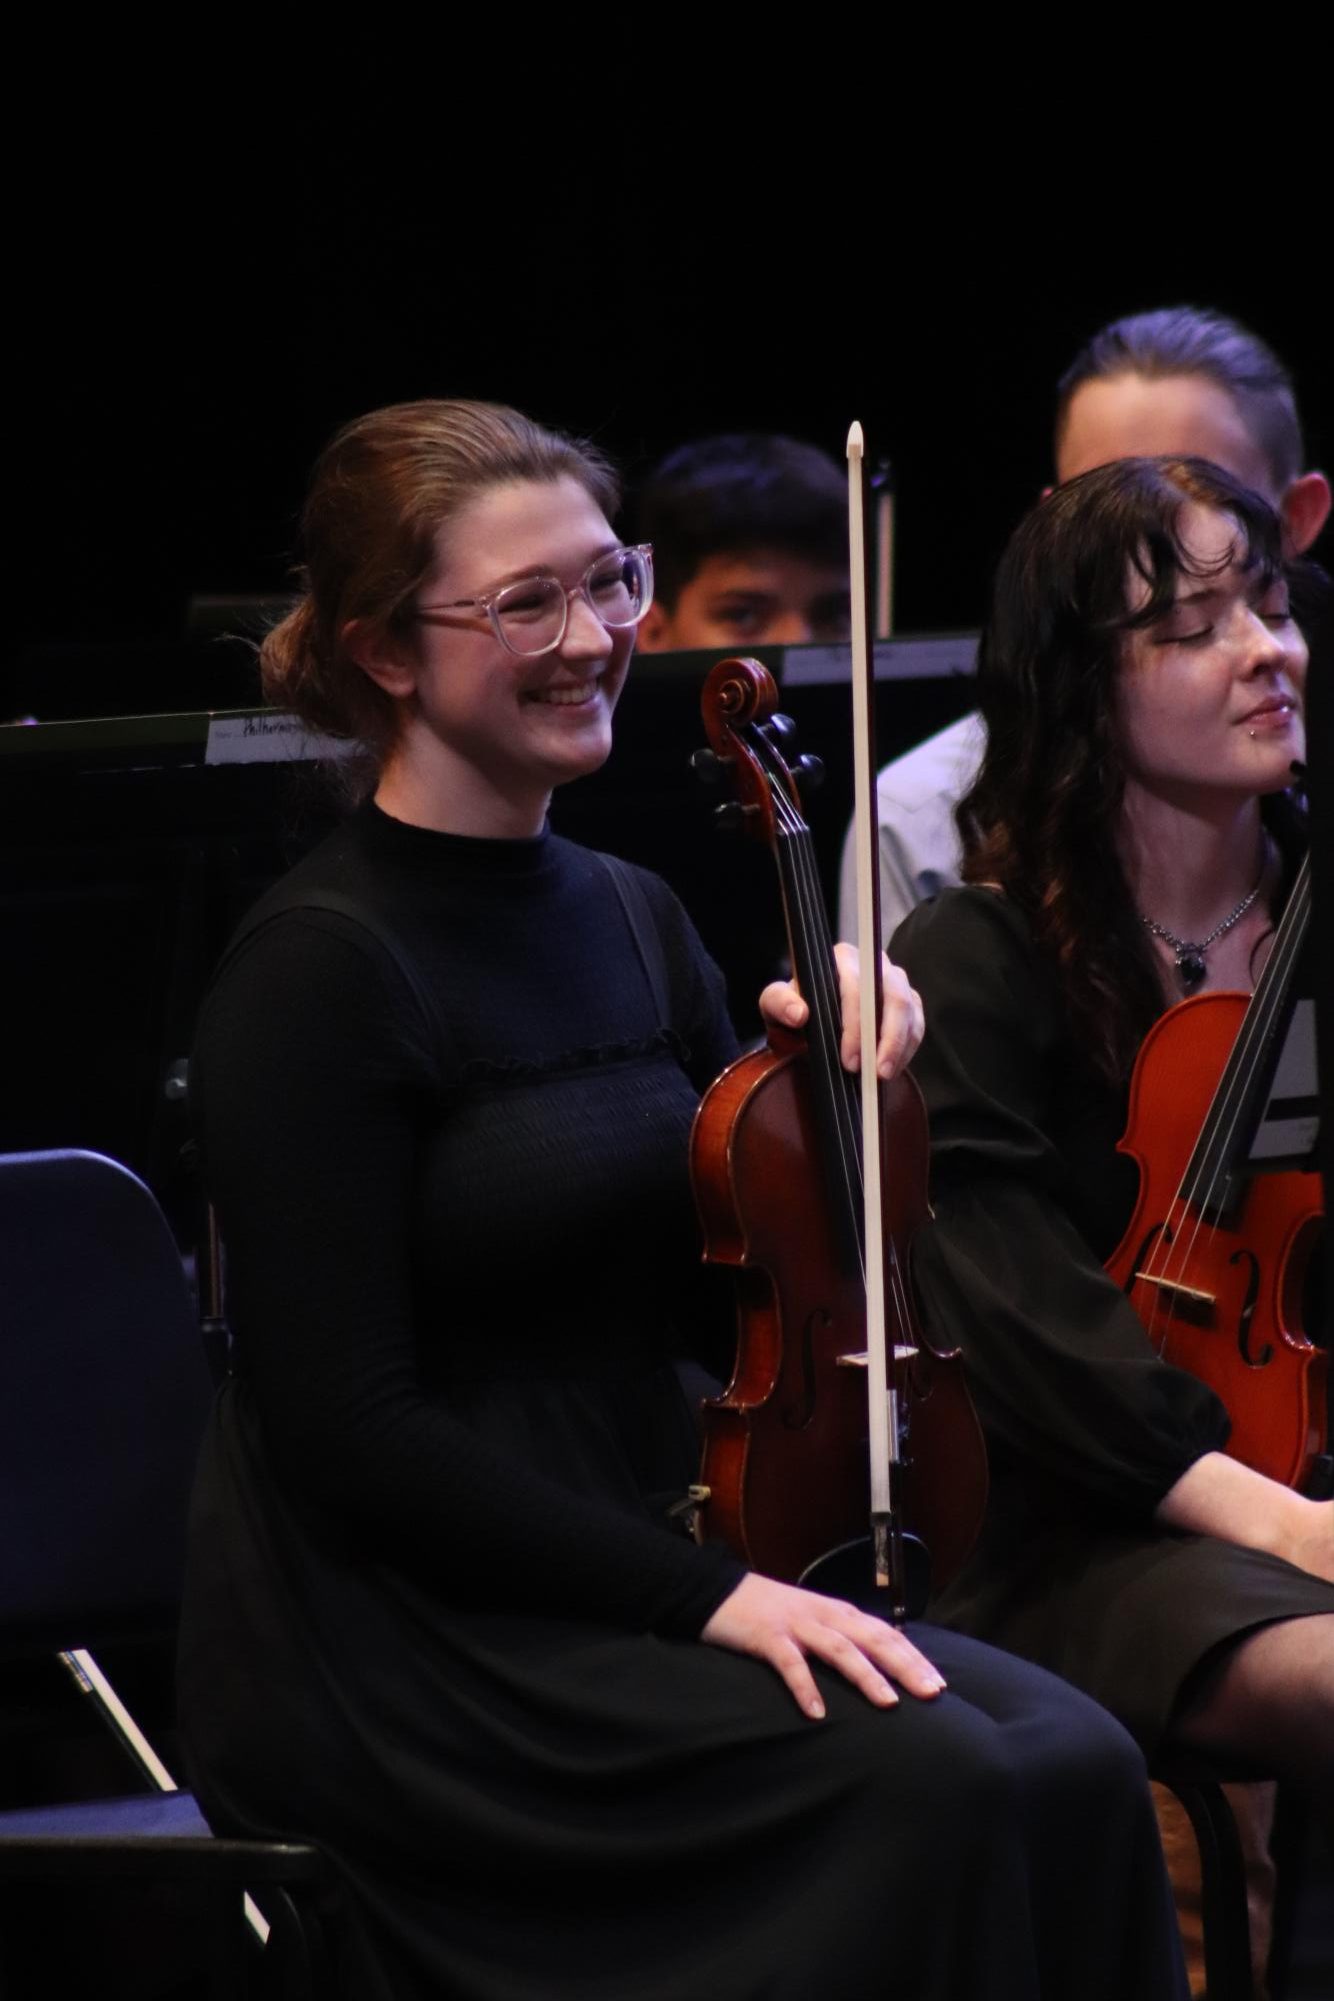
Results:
1130 836
437 1617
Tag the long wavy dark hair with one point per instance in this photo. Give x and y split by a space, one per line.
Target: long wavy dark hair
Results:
1042 817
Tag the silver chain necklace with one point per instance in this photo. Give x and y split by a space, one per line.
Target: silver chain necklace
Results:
1190 961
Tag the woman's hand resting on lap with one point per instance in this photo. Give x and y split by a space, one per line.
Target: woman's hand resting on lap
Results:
782 1624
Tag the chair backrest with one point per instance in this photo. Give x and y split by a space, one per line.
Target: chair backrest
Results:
103 1396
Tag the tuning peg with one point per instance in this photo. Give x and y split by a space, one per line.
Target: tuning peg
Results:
729 817
707 766
781 732
809 772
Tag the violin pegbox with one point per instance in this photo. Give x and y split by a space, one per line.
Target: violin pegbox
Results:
805 770
746 737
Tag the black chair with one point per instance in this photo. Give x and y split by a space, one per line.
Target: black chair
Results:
103 1396
1224 1912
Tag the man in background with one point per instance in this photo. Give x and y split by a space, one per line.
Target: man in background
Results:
1179 381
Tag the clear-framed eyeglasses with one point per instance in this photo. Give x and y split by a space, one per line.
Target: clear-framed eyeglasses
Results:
530 616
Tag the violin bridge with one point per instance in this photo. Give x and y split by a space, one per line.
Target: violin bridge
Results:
862 1360
1188 1299
686 1511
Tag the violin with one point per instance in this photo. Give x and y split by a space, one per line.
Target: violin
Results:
776 1161
1216 1254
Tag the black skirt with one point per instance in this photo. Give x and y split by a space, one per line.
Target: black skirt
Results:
522 1808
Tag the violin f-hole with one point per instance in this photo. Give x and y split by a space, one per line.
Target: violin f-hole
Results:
797 1415
1140 1259
1247 1313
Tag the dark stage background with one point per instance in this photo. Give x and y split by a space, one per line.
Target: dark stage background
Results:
203 296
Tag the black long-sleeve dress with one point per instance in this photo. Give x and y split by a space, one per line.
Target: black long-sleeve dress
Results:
1086 1428
436 1618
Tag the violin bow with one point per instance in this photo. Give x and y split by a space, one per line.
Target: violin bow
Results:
882 1413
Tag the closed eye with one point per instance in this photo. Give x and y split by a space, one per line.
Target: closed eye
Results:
1272 604
1196 638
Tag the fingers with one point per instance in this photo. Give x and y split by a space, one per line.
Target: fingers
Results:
781 1003
901 1021
901 1018
785 1626
790 1662
866 1650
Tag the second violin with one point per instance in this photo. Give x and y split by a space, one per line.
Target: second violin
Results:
1215 1256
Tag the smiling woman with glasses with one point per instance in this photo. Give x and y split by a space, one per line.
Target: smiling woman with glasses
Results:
440 1615
530 615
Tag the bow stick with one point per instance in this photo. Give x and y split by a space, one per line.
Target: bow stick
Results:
886 1533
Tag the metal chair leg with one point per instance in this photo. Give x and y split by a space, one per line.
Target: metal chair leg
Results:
1227 1937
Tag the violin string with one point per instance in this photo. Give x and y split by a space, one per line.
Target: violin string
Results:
1219 1130
1256 1028
1229 1100
895 1278
814 918
846 1103
896 1285
811 918
823 999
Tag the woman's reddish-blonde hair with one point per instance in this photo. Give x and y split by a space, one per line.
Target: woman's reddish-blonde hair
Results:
379 495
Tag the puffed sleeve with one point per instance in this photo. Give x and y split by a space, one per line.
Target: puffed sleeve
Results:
1065 1380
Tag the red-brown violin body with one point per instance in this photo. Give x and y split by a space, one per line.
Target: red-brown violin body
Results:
785 1455
1216 1267
776 1160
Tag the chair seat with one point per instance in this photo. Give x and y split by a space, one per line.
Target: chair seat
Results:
122 1837
148 1815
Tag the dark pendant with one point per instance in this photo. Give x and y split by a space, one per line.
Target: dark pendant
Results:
1190 970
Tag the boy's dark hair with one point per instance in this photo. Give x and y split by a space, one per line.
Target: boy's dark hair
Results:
744 490
1183 340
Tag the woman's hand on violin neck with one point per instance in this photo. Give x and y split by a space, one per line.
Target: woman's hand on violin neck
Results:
783 1625
901 1023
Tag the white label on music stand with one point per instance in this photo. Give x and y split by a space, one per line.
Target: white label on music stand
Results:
273 738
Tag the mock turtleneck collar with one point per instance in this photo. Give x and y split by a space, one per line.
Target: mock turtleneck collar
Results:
428 849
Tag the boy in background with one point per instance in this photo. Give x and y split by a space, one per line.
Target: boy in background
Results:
750 545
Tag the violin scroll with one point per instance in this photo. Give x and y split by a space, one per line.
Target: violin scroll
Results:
751 742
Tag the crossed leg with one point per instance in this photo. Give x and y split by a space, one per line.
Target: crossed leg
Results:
1266 1701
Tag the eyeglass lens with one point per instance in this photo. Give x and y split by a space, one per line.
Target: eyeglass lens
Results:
532 613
